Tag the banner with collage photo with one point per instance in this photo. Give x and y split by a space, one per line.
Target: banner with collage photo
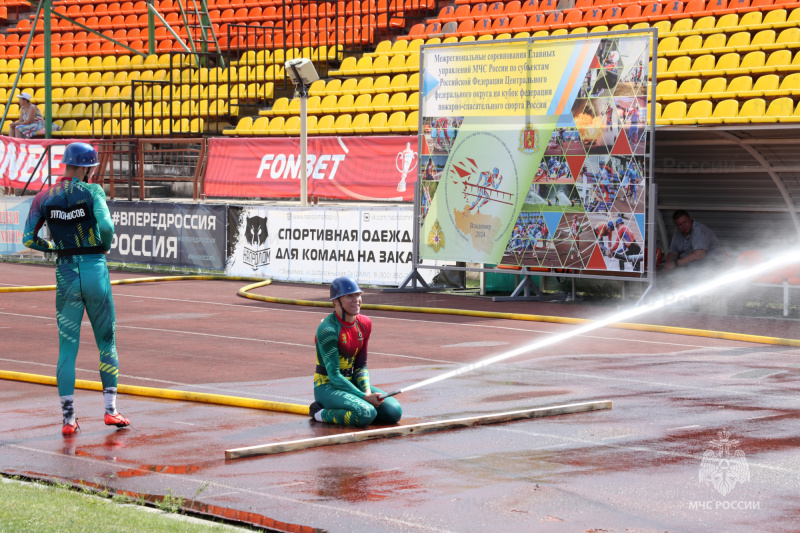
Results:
534 153
371 244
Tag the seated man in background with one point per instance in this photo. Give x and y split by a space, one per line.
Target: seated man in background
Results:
693 245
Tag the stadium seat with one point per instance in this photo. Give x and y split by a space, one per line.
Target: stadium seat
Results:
768 82
346 104
360 124
779 110
276 126
291 126
412 122
349 86
326 125
724 111
690 89
380 102
790 85
412 104
328 105
665 90
737 85
342 124
776 62
673 111
398 101
364 85
396 122
363 103
700 109
333 87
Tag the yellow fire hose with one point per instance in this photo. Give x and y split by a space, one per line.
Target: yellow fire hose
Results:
303 409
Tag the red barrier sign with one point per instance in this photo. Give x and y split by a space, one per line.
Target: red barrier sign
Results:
18 158
346 168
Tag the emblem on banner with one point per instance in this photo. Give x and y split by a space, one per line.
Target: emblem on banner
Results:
256 235
436 237
529 139
406 161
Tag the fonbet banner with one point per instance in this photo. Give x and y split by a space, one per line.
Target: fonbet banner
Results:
18 158
345 168
185 235
533 153
371 244
13 214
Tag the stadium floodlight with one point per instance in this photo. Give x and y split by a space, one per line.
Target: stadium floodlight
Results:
302 73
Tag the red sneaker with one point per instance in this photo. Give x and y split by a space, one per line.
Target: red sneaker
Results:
70 429
116 420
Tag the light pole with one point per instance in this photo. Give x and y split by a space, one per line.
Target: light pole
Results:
303 74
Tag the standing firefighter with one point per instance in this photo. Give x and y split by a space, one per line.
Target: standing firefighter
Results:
81 228
341 383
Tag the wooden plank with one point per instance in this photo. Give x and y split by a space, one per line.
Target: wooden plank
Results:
416 429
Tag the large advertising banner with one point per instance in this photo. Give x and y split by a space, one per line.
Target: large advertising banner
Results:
371 244
534 153
13 214
343 168
18 159
185 235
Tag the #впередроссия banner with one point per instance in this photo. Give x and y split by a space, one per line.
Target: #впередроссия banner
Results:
534 153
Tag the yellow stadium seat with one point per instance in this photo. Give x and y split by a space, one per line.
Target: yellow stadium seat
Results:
197 125
313 105
68 128
681 26
384 48
762 40
665 90
724 111
398 101
349 86
381 84
739 40
84 128
780 60
364 85
402 47
276 125
27 66
292 127
12 66
736 86
380 102
260 126
412 104
789 86
751 19
326 126
294 107
412 63
412 122
669 45
363 104
333 87
788 38
347 68
328 105
57 95
361 123
398 83
85 94
343 124
726 22
317 88
726 64
397 64
753 60
750 110
336 53
378 123
673 111
396 122
413 46
768 82
678 65
779 110
109 63
380 65
413 82
700 109
279 107
691 89
346 104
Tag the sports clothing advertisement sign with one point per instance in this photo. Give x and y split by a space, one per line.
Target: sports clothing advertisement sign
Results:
534 154
186 235
371 244
342 168
13 214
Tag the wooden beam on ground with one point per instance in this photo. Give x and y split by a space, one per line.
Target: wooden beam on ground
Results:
416 429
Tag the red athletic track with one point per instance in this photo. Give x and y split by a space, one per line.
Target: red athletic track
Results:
634 468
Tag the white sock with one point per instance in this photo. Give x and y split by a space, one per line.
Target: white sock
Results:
318 415
68 408
110 400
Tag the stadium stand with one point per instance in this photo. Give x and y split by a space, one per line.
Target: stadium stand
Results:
719 61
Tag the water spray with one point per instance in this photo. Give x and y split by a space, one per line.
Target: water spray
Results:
727 278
